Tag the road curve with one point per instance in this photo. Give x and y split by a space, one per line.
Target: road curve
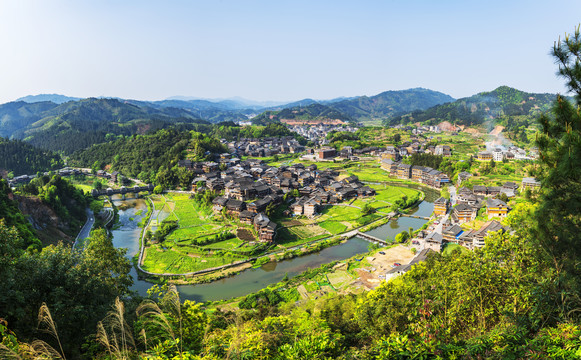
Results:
86 229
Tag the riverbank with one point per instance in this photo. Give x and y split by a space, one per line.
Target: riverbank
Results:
226 270
239 281
357 274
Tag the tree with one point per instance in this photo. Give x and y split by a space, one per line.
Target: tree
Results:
96 166
97 184
270 208
367 210
559 214
402 237
445 193
158 189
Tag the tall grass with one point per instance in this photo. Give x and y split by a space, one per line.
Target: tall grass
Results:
115 334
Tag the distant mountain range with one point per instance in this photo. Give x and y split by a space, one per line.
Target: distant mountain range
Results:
55 98
357 109
66 124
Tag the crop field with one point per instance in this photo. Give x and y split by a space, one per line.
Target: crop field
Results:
339 278
305 232
226 244
245 234
195 232
334 227
311 286
299 235
196 222
368 172
387 195
181 260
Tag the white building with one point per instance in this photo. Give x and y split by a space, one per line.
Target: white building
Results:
497 154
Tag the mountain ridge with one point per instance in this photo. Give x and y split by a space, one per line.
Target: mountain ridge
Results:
481 107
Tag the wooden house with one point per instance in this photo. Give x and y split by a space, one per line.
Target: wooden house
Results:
496 207
440 206
464 213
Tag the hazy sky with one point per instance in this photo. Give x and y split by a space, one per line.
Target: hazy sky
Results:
278 50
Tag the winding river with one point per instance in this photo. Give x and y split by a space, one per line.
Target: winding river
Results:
126 235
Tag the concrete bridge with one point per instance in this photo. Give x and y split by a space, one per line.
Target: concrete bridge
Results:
371 238
122 190
416 216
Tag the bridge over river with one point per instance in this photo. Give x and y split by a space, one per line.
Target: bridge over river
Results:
122 190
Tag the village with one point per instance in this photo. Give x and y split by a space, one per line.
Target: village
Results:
315 185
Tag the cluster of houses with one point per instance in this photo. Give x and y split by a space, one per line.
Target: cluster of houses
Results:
264 147
318 133
473 238
422 174
25 179
510 153
468 203
410 148
250 186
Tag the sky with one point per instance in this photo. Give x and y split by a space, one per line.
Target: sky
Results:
278 50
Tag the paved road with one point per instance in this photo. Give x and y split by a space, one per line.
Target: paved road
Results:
439 227
86 229
452 191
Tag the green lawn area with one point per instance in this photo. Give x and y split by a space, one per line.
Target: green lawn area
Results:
451 247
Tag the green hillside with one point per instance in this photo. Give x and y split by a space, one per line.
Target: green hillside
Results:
79 124
390 103
503 101
364 109
16 116
314 111
20 158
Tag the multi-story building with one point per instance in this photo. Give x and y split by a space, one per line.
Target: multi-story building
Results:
440 206
404 171
495 207
530 183
497 154
464 213
484 156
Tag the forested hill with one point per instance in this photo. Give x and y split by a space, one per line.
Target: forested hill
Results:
21 158
17 116
214 112
79 124
153 158
311 112
356 109
476 109
390 103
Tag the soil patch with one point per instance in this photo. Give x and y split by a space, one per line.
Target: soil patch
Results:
497 130
244 234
